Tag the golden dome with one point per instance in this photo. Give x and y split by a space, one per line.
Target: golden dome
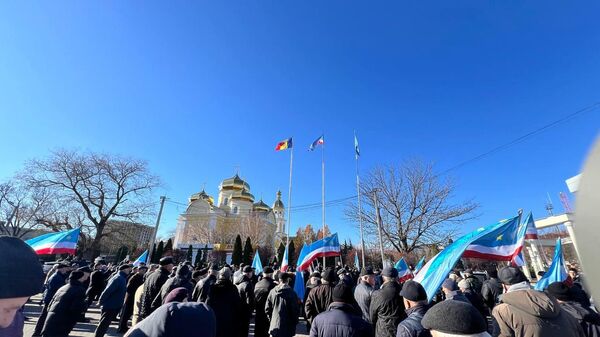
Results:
243 194
201 195
278 204
235 183
261 206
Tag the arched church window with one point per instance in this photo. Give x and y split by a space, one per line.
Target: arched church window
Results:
225 201
235 210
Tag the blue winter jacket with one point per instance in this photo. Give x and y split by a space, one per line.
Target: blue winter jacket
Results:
56 281
341 320
113 296
411 326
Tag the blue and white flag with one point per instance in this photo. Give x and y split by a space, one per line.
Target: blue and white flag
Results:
284 260
329 246
56 243
557 271
141 259
319 141
437 269
356 149
502 244
257 264
419 265
356 264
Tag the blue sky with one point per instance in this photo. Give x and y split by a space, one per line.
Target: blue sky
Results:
197 89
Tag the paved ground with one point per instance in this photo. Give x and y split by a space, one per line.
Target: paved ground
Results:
32 311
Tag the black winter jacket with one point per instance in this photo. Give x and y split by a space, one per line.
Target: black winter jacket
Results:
225 301
246 290
202 288
261 293
490 292
152 287
177 319
589 320
387 309
67 306
411 326
283 311
318 301
341 320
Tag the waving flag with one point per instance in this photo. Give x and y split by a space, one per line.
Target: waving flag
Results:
557 271
284 145
55 243
531 233
436 270
419 265
284 260
319 141
329 246
403 270
356 149
501 244
257 264
356 264
141 259
299 285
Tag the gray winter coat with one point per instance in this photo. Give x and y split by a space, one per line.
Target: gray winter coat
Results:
283 310
113 295
362 295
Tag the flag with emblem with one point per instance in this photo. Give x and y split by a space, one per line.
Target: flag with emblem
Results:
56 243
502 244
319 141
284 145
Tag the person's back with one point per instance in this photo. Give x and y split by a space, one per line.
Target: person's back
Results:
588 319
282 308
66 307
177 319
320 297
153 285
531 313
225 301
261 293
202 288
490 292
341 320
387 308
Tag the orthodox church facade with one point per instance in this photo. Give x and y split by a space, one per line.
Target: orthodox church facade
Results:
206 223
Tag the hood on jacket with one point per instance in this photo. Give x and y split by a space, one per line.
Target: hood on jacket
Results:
533 302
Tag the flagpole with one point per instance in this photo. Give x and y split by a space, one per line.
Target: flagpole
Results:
362 242
323 188
290 198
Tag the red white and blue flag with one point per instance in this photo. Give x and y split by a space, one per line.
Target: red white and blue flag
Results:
284 260
319 141
502 244
531 233
404 272
55 243
329 246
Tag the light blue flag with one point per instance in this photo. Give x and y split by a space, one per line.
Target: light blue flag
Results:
419 265
437 269
141 259
256 264
356 264
299 285
557 271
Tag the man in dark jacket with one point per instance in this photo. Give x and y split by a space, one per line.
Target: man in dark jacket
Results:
224 299
387 308
97 282
588 319
153 285
183 279
177 319
415 301
527 312
261 293
68 304
342 319
202 288
364 290
135 281
320 297
282 308
491 289
56 282
472 296
246 289
112 298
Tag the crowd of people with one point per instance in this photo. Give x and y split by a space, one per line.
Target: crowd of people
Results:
171 299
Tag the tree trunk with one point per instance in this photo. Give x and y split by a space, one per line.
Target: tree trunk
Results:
95 249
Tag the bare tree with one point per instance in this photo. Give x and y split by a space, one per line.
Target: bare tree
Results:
101 186
21 208
417 206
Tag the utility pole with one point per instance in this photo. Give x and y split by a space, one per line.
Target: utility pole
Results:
162 204
379 225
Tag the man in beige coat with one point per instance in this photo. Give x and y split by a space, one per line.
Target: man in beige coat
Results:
525 312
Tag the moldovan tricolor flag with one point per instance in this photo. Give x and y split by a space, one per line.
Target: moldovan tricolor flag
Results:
284 145
531 233
55 243
403 270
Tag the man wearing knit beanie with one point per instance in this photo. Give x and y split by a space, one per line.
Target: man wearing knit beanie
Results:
415 301
17 287
342 318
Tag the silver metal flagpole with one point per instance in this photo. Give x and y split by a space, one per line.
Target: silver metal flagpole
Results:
323 187
362 242
290 198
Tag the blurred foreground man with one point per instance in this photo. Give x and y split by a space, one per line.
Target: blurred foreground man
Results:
455 319
525 312
21 276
